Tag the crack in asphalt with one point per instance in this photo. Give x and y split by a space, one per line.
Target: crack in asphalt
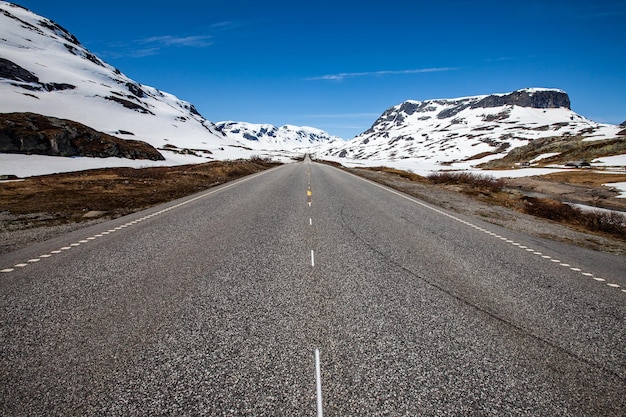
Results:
467 302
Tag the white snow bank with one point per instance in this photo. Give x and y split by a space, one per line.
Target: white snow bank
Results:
544 156
31 165
617 160
620 186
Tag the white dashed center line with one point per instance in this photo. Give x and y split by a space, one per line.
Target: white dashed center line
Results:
318 384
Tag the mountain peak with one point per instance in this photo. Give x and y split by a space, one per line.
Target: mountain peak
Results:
469 128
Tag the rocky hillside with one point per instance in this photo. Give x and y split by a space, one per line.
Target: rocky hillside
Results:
30 133
480 128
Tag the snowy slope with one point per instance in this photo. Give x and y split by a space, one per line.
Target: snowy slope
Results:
58 77
268 136
480 128
44 69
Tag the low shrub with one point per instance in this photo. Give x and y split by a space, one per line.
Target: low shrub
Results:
481 181
607 222
597 221
261 160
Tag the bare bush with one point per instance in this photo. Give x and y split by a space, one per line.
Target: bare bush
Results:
481 181
262 160
596 221
608 222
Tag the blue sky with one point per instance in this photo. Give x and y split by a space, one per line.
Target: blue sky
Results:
337 65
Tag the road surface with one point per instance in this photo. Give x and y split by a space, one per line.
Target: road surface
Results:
216 304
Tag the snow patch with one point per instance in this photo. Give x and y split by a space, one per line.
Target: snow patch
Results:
620 186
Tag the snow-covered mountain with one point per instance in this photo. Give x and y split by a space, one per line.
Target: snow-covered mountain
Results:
44 69
476 128
272 137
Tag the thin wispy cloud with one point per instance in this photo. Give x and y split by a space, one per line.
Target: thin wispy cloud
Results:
343 75
140 53
510 58
155 45
200 41
224 25
501 59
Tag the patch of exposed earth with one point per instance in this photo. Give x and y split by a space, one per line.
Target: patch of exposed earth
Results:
590 195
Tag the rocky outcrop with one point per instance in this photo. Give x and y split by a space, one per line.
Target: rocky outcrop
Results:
26 79
29 133
129 104
533 98
12 71
537 99
449 108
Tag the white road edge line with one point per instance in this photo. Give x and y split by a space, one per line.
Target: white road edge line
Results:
415 201
318 384
132 223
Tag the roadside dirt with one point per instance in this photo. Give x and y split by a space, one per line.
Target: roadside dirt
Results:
450 197
581 187
40 208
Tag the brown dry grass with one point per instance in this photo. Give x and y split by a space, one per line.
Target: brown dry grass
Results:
584 177
404 174
63 198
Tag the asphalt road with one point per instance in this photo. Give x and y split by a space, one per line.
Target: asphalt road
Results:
214 305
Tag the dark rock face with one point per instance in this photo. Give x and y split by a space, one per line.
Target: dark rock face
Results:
412 107
248 136
59 30
135 90
57 86
541 99
193 110
452 111
130 105
11 71
29 133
